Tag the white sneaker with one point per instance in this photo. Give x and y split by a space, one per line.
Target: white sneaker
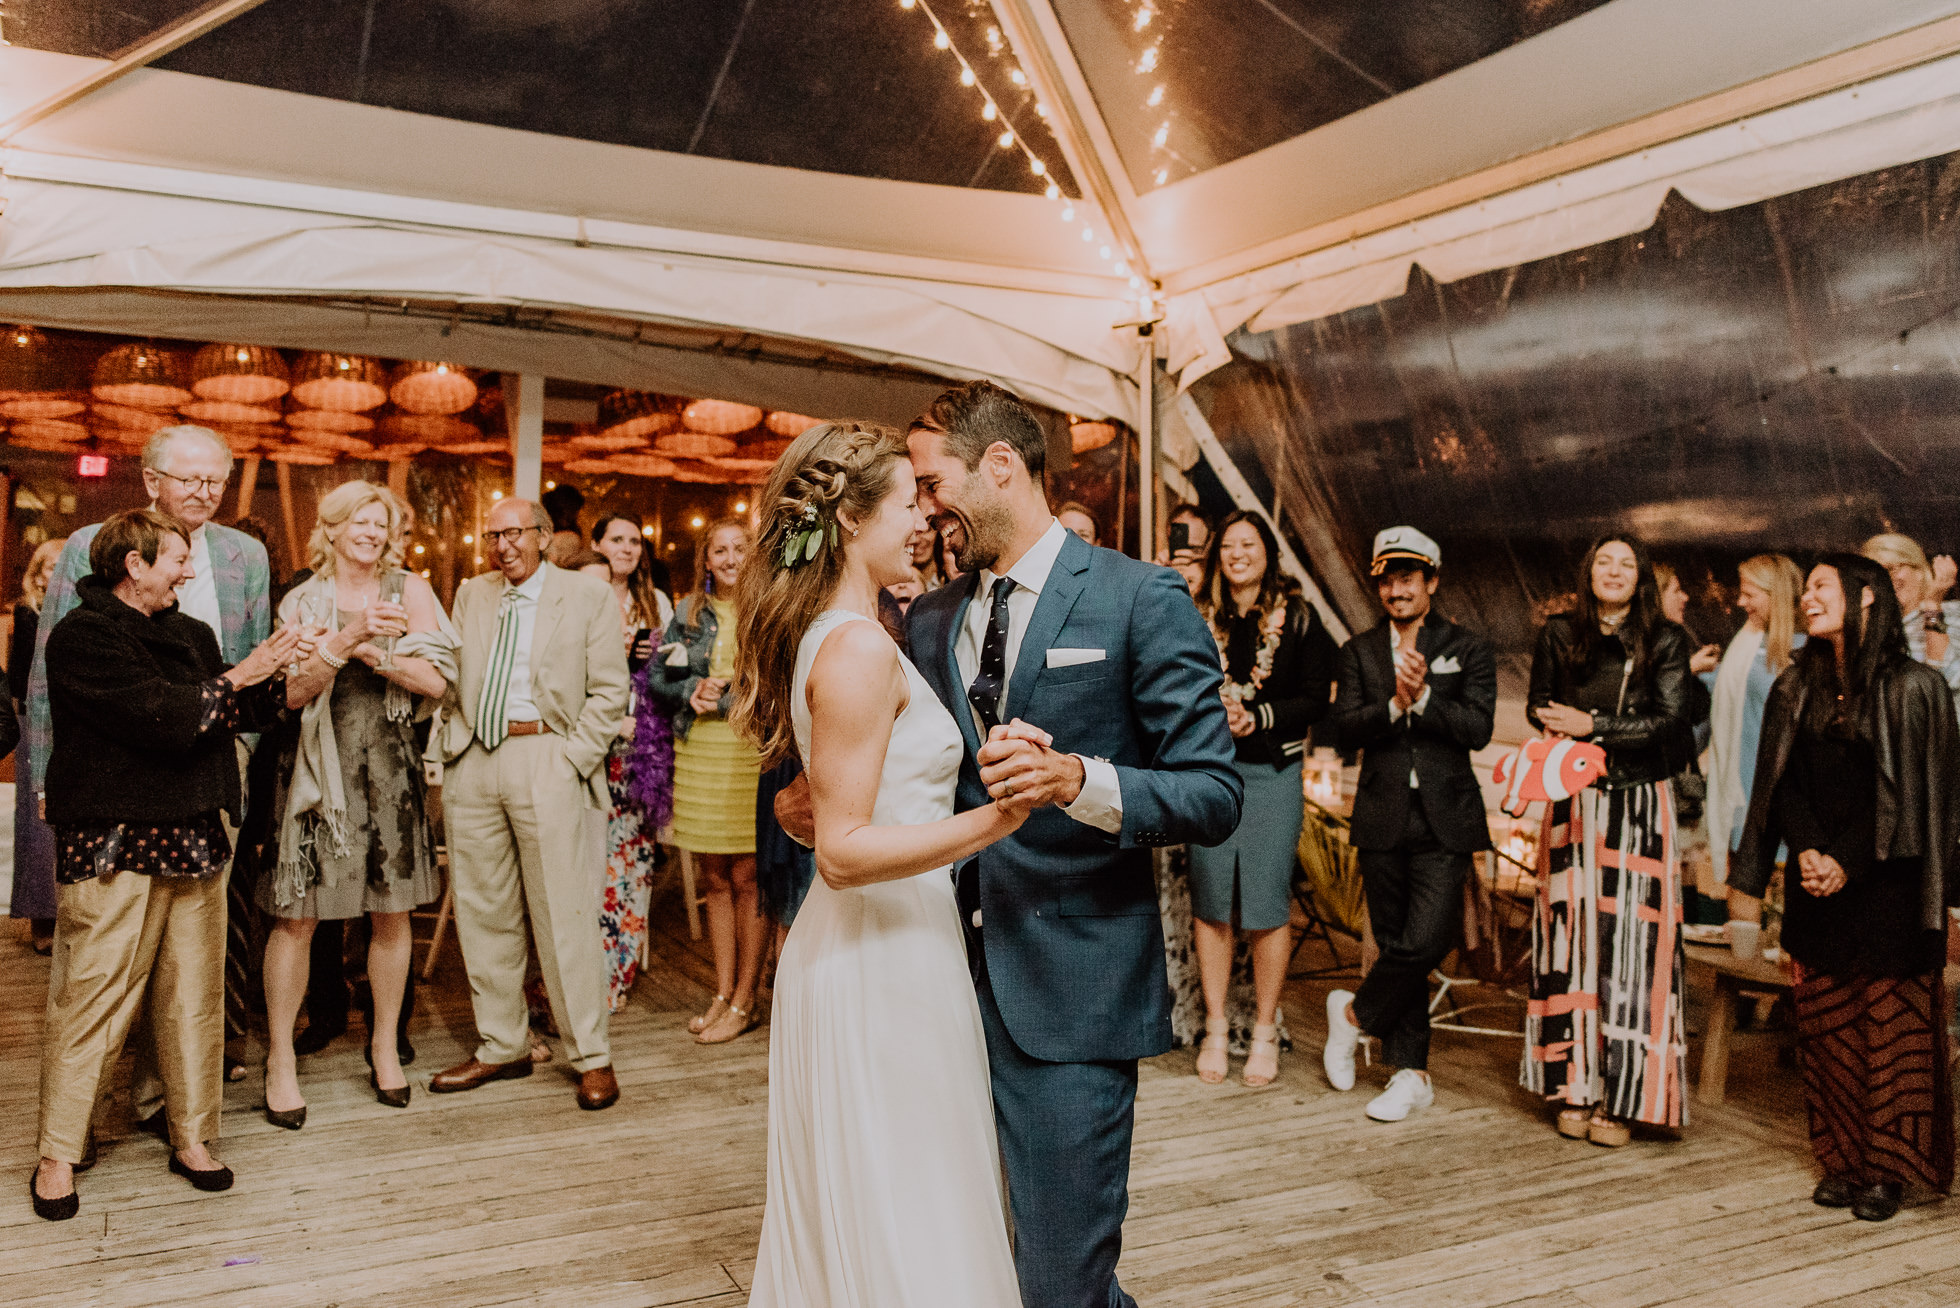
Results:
1407 1091
1342 1037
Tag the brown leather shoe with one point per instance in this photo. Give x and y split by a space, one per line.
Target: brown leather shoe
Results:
598 1088
470 1075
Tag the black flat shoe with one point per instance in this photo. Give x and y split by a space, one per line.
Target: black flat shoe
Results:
392 1098
1835 1192
212 1181
53 1210
1877 1203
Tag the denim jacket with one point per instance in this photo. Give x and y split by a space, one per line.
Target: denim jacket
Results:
681 664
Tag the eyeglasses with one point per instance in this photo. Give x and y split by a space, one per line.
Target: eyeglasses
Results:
511 536
209 485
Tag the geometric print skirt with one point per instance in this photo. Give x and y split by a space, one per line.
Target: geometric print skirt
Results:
1603 1022
1877 1076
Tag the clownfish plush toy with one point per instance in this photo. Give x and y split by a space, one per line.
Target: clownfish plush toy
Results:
1547 769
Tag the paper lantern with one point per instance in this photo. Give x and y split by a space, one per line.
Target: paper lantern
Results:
589 466
635 413
33 381
604 441
216 411
640 465
432 388
556 452
743 466
47 434
473 448
350 424
349 383
40 404
334 440
429 429
140 423
240 374
302 456
141 374
118 442
696 473
1086 436
791 425
694 445
240 440
720 417
397 452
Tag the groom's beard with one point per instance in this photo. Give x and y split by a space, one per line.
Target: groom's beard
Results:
985 527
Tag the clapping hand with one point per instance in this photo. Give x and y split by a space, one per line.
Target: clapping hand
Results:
1019 767
272 655
1821 874
1411 675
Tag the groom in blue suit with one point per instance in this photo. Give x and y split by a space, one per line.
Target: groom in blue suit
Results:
1107 659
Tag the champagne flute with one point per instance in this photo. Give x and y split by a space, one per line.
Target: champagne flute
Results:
311 621
393 583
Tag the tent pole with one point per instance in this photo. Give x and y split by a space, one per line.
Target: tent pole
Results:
248 486
295 550
524 419
1146 449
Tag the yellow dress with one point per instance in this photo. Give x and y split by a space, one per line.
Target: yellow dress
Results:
715 770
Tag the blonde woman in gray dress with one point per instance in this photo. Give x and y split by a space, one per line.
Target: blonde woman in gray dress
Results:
354 832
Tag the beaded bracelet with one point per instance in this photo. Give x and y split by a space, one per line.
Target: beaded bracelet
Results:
327 657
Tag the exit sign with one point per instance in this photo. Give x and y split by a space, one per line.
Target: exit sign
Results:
92 465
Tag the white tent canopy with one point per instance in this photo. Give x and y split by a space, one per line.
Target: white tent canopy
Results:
164 202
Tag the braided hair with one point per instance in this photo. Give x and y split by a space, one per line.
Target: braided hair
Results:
797 561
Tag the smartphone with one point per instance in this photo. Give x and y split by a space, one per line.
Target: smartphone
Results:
1180 536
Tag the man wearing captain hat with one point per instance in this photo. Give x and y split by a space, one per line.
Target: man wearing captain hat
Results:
1416 697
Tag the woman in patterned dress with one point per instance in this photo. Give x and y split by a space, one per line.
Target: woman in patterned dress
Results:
640 764
1603 1028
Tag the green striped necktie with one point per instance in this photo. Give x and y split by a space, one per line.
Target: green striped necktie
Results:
492 713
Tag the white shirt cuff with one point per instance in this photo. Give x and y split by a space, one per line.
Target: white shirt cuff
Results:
1100 804
1395 709
1422 701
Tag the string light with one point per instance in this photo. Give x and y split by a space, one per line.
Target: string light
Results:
966 76
988 112
1006 139
1156 96
943 41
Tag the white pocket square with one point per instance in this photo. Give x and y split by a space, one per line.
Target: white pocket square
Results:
1449 664
1068 658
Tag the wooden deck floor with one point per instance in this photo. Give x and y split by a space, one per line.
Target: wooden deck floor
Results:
1283 1196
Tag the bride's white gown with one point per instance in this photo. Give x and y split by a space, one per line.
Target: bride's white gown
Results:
884 1174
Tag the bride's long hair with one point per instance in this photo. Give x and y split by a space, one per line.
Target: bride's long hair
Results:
797 562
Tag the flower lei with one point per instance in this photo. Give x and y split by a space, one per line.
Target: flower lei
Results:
803 539
1272 625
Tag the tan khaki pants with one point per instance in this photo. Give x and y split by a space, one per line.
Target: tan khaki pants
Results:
124 945
519 845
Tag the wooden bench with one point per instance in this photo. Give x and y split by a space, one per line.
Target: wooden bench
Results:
1731 976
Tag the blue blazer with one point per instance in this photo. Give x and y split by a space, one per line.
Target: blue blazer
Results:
1074 945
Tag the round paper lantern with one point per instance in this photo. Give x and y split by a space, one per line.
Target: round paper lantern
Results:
607 441
635 413
141 374
304 456
47 434
432 388
720 417
473 448
349 424
697 473
743 466
589 466
244 438
350 383
117 442
239 374
397 452
138 424
640 465
429 429
40 404
791 425
333 440
694 445
216 411
1086 436
34 383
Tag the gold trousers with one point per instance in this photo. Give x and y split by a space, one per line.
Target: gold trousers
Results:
125 945
522 848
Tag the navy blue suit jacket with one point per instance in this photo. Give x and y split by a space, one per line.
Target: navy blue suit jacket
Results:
1074 945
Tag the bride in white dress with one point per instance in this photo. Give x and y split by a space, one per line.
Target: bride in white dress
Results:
884 1174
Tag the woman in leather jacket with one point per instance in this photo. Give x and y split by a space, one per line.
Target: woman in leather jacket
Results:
1614 672
1858 775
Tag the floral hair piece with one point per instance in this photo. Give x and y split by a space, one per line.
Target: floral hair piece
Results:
802 541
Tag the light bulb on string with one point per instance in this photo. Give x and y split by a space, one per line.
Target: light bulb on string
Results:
966 75
1068 213
1144 15
1161 135
1005 139
1136 282
1163 175
1040 109
988 112
1088 234
907 4
1122 268
1156 96
1018 77
1039 169
1103 253
1053 192
1148 61
941 40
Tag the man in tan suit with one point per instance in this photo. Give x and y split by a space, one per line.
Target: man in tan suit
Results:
542 687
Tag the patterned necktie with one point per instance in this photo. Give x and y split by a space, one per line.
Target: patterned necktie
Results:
984 694
492 717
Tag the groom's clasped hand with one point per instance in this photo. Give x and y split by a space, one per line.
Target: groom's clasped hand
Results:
1019 764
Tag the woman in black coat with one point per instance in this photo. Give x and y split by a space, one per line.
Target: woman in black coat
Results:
142 778
1603 1033
1858 775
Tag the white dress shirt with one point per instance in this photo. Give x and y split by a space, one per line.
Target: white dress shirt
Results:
518 706
1100 804
198 597
1394 709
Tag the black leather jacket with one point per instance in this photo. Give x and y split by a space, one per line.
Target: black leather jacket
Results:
1908 721
1645 732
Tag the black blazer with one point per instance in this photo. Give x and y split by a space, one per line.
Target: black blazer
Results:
1294 697
125 693
1436 743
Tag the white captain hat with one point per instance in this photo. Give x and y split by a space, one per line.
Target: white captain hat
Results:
1404 544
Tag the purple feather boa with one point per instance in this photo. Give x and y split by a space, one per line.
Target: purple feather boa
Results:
650 760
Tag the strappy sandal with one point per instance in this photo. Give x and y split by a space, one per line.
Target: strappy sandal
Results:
1608 1131
702 1021
1262 1059
1213 1071
1574 1123
745 1022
